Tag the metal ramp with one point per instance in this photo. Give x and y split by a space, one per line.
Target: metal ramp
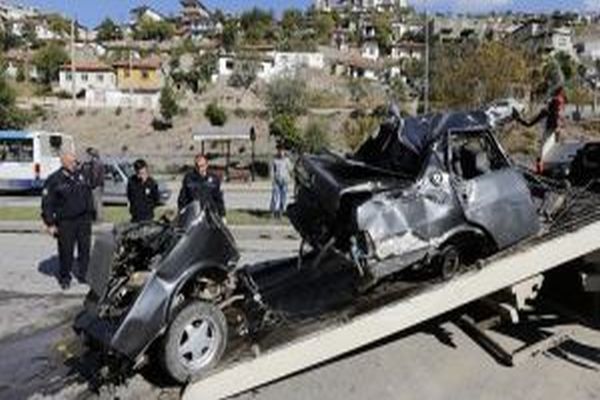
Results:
560 246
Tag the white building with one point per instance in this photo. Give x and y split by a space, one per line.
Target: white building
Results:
538 38
408 51
17 60
590 48
12 11
359 5
370 50
87 76
274 64
140 13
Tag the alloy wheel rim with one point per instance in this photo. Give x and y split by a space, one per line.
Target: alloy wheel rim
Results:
198 343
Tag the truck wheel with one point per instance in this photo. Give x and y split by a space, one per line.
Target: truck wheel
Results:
195 341
448 262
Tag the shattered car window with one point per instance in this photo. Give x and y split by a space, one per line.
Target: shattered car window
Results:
474 154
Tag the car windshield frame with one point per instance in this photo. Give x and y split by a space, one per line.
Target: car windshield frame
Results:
127 168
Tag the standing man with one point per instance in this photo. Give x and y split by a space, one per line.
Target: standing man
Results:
554 120
280 171
93 170
67 212
142 193
201 185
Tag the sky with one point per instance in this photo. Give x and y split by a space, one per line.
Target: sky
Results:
92 12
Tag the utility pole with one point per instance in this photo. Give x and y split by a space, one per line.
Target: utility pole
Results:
426 89
73 86
130 77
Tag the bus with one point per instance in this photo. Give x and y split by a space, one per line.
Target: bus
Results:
28 158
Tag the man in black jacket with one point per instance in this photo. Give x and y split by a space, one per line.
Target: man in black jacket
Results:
142 193
67 212
201 185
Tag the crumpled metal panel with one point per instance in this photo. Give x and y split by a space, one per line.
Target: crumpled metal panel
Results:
412 220
501 203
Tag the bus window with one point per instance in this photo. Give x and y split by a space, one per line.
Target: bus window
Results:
16 150
52 146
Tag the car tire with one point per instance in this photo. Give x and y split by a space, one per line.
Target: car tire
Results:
448 262
195 341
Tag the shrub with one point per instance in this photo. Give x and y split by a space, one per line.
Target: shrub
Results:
356 130
168 105
315 136
284 128
63 94
287 96
160 124
215 114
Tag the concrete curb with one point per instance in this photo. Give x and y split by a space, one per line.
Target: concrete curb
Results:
240 232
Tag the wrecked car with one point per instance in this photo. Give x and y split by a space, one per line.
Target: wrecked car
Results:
172 293
431 192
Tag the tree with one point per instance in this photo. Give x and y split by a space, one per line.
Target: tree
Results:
315 136
48 61
21 76
59 25
8 40
567 65
10 116
287 96
382 22
284 128
108 30
470 75
399 91
257 25
324 24
204 68
244 73
291 22
168 103
29 33
229 36
215 114
149 29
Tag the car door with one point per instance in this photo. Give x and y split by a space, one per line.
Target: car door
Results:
492 194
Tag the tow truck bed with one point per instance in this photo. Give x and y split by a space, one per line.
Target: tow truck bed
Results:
400 305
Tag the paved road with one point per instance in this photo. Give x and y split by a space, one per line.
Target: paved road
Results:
35 315
437 361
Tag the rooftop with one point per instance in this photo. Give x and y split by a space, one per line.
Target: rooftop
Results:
88 66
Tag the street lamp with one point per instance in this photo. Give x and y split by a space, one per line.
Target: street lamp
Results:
426 90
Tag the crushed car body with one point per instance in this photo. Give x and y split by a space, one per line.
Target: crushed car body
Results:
431 193
417 188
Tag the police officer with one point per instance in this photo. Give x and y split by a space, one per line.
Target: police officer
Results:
142 193
201 185
68 211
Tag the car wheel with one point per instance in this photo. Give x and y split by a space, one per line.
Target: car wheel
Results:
448 263
195 341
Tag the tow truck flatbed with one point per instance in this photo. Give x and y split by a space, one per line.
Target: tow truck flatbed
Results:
573 235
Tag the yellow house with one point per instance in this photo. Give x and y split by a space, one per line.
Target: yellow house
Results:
139 75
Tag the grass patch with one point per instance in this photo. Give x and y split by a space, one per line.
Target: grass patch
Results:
115 214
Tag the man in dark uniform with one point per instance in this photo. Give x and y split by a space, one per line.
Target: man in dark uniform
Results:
201 185
142 193
68 211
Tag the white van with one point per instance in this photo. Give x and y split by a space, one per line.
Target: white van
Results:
28 158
